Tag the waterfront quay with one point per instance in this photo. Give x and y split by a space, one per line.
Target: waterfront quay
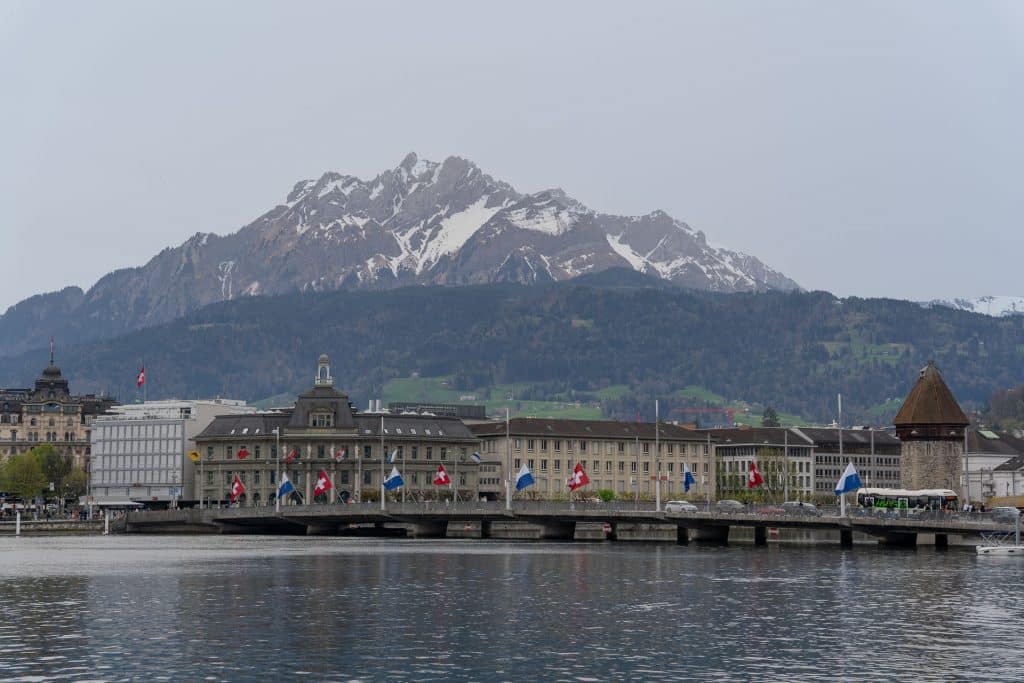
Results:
551 521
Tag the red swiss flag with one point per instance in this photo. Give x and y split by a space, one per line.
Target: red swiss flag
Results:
237 489
754 477
441 478
323 484
579 478
242 453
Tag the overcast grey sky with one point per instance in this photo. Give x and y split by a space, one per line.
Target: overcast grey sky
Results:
864 148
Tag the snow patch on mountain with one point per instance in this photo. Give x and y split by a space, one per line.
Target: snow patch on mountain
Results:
995 306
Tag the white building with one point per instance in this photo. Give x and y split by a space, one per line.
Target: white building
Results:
140 451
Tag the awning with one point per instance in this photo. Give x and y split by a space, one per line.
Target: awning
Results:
116 503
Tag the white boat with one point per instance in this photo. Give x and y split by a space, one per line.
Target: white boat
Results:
995 545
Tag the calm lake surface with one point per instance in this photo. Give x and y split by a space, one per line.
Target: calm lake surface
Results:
245 608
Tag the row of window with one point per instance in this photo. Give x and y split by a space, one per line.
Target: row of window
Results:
145 446
141 431
257 477
322 451
611 447
595 465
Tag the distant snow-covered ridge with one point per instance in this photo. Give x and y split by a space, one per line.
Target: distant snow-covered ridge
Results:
996 306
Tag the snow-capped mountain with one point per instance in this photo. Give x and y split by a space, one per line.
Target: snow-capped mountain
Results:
420 223
996 306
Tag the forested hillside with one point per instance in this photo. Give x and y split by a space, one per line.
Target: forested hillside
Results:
794 351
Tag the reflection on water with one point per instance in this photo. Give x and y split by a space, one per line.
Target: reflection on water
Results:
186 608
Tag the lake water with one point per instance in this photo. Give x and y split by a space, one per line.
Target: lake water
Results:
245 608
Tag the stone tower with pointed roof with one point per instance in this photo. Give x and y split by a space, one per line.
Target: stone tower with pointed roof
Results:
930 425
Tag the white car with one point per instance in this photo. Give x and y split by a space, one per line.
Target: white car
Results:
680 506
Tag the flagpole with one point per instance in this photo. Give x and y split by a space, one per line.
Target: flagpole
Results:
839 431
403 478
277 459
455 487
508 464
657 460
382 455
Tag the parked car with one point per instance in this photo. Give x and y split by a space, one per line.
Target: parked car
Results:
770 510
680 506
1005 514
798 507
728 505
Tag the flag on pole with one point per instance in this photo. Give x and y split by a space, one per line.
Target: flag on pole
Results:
292 455
286 486
393 456
237 489
579 478
51 349
339 454
850 481
141 378
524 478
441 478
242 453
323 484
394 480
754 478
475 457
688 479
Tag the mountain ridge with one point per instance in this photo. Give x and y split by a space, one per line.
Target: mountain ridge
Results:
420 223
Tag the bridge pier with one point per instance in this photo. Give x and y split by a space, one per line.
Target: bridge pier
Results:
433 529
899 539
846 538
321 529
682 535
712 534
558 531
760 535
485 529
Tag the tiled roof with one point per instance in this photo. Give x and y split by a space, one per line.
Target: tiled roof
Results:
851 437
930 402
412 427
586 429
760 435
260 425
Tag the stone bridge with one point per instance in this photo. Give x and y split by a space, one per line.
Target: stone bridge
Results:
552 520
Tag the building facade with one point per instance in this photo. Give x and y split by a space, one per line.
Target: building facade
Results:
874 452
626 458
784 457
50 414
140 451
324 432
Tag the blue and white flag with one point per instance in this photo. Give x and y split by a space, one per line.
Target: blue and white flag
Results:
286 486
688 479
476 457
394 480
850 481
393 456
524 478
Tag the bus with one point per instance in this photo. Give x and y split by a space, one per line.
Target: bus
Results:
908 499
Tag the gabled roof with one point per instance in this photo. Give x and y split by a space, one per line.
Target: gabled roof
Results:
773 436
930 402
586 429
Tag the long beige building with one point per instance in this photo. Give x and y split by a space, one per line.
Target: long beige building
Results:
624 457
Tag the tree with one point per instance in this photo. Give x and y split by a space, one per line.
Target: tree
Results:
75 484
770 418
56 466
23 476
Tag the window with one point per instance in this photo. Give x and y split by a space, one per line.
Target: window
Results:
583 446
367 453
415 452
544 444
544 465
558 445
367 477
670 466
320 451
321 420
632 467
647 448
344 476
622 466
558 465
430 452
444 453
529 463
529 445
607 465
516 444
256 452
518 464
229 452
